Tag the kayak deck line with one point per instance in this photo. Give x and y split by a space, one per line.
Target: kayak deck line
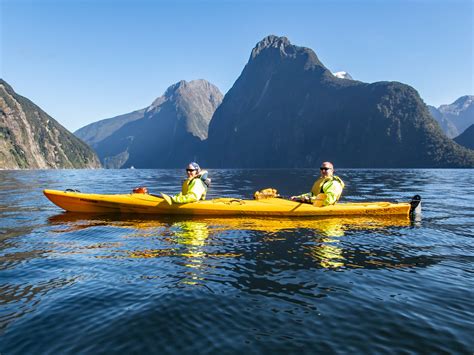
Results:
75 201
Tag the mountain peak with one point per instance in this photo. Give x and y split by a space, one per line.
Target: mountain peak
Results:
171 93
173 89
460 104
164 134
185 88
273 46
464 101
271 41
287 109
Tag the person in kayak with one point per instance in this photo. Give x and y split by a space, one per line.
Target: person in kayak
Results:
326 190
194 187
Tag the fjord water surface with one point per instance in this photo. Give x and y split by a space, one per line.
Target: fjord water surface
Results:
130 284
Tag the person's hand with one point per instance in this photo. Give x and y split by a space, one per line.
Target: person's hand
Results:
292 198
306 198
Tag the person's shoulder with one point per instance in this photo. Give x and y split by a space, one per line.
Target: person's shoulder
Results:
197 180
338 179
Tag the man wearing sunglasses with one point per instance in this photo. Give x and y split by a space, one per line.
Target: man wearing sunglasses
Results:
326 190
194 187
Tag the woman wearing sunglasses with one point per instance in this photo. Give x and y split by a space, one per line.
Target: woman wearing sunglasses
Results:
195 186
326 190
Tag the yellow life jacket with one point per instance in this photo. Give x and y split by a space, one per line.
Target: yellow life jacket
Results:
188 184
322 186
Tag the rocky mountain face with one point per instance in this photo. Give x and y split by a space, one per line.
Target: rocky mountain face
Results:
287 110
95 132
170 132
446 125
31 139
455 118
466 138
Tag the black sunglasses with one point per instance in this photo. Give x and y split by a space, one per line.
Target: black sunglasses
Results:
189 170
325 169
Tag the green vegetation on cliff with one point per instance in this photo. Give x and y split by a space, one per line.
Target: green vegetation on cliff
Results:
31 139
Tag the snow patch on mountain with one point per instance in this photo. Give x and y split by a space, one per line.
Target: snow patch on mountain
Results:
342 75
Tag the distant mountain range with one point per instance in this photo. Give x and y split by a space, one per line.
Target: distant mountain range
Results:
285 110
31 139
96 132
455 118
166 134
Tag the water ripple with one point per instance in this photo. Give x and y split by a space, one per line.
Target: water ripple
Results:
115 284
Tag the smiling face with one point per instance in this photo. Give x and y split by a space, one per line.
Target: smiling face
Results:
326 169
191 171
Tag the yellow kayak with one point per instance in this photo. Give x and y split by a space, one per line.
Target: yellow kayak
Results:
141 203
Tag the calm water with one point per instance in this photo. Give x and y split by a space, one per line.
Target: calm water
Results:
126 284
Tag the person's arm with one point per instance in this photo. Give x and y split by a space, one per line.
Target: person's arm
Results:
307 197
195 192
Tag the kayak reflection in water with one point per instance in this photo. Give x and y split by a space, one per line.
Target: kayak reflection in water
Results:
195 186
326 190
192 235
326 251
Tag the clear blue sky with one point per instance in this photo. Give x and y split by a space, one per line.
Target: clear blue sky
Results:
82 61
